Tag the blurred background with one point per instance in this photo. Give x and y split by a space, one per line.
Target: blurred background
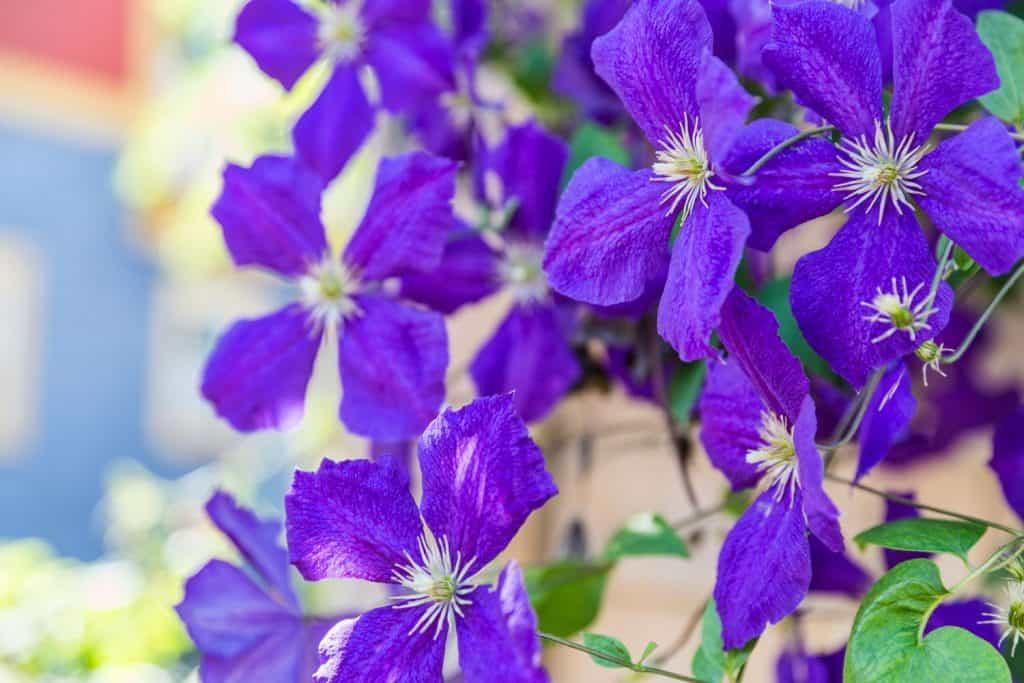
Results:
116 117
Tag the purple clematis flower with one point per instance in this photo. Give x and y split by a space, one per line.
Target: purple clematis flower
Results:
531 352
611 236
798 666
392 354
409 55
482 477
1008 458
244 630
759 423
862 301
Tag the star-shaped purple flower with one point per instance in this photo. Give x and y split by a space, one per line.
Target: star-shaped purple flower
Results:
482 477
409 55
392 354
759 423
862 301
242 629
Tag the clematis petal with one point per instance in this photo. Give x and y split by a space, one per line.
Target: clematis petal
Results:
468 272
407 222
335 126
723 28
792 188
270 214
832 287
287 654
828 56
819 510
883 425
280 36
973 194
530 162
966 614
529 355
351 519
1008 459
257 541
378 646
498 636
482 477
610 237
750 333
724 105
704 260
469 25
939 62
392 360
764 569
730 411
256 376
651 59
413 64
800 667
833 572
384 12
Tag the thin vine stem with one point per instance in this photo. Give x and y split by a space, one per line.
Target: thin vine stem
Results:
863 400
923 506
783 146
700 516
997 560
959 128
969 339
612 659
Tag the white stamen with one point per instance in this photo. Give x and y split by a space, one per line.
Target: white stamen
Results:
521 271
437 581
683 162
327 291
883 172
341 32
776 457
898 311
1010 618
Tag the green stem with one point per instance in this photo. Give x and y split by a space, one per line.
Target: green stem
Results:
612 659
945 250
969 339
922 506
997 560
783 146
699 517
863 399
959 128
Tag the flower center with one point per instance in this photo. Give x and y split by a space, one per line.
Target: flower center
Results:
776 457
898 312
522 272
683 162
931 355
881 172
341 31
434 581
1010 618
327 290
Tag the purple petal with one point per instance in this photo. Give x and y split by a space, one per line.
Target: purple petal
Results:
270 214
895 511
393 360
883 425
704 261
750 333
351 519
966 614
834 572
723 28
256 376
730 411
792 188
413 64
831 286
610 237
280 36
973 194
724 105
529 355
828 56
1008 459
468 272
407 221
819 510
378 647
482 477
383 12
226 613
651 59
939 62
498 635
469 25
764 569
257 541
336 125
800 667
530 162
753 31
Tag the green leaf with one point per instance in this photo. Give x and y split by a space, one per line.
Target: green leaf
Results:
886 644
591 140
566 595
684 390
924 535
648 651
645 534
612 647
1003 34
775 296
712 663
